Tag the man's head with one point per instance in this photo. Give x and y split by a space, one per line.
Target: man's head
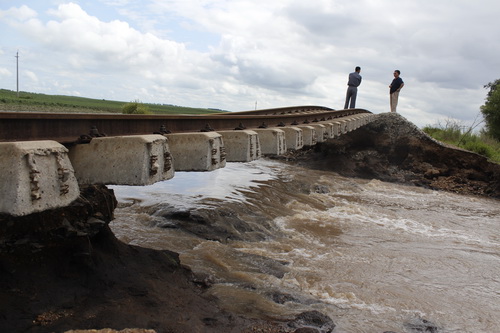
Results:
397 73
358 69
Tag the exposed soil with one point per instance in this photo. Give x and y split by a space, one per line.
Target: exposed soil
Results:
64 269
394 150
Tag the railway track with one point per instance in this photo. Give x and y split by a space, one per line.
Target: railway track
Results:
70 128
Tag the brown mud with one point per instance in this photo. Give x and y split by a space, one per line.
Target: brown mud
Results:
392 149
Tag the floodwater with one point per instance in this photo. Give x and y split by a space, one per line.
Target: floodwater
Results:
373 256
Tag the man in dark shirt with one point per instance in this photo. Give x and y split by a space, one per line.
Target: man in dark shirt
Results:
396 85
352 91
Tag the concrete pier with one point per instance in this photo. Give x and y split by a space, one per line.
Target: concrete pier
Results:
309 135
343 128
336 128
272 141
353 122
329 129
365 118
123 160
321 134
197 151
36 176
241 145
294 138
359 121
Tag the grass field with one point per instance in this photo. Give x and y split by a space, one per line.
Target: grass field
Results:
455 135
58 103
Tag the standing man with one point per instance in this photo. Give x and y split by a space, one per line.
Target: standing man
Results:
396 85
352 91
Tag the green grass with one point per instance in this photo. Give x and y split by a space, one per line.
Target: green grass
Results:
478 143
58 103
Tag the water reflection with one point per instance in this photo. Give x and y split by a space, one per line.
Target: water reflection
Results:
188 189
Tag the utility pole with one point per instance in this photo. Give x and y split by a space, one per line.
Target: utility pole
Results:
17 72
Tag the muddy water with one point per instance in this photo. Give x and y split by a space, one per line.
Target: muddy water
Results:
373 256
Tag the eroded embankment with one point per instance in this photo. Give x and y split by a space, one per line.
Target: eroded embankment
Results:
394 150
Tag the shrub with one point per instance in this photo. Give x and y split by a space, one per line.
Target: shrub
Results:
479 148
450 132
482 144
135 108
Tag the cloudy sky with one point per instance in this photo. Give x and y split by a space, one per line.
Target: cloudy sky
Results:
236 54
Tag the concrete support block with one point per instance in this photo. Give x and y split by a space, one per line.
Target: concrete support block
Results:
241 146
329 130
321 133
359 121
343 126
348 125
36 176
272 141
197 151
123 160
309 134
364 118
351 124
369 117
337 128
356 122
294 138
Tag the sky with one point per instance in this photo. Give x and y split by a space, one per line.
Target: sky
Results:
238 55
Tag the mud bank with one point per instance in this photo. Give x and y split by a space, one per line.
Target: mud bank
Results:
394 150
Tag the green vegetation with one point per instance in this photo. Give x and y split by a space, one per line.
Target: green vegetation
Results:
57 103
135 107
455 134
487 142
491 109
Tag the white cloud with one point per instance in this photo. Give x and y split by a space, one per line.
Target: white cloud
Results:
14 14
30 75
230 54
90 42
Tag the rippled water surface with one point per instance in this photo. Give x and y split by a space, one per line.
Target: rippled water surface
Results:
371 255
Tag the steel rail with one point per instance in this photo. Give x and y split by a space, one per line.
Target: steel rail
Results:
69 128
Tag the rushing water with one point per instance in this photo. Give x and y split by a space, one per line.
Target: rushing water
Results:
373 256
